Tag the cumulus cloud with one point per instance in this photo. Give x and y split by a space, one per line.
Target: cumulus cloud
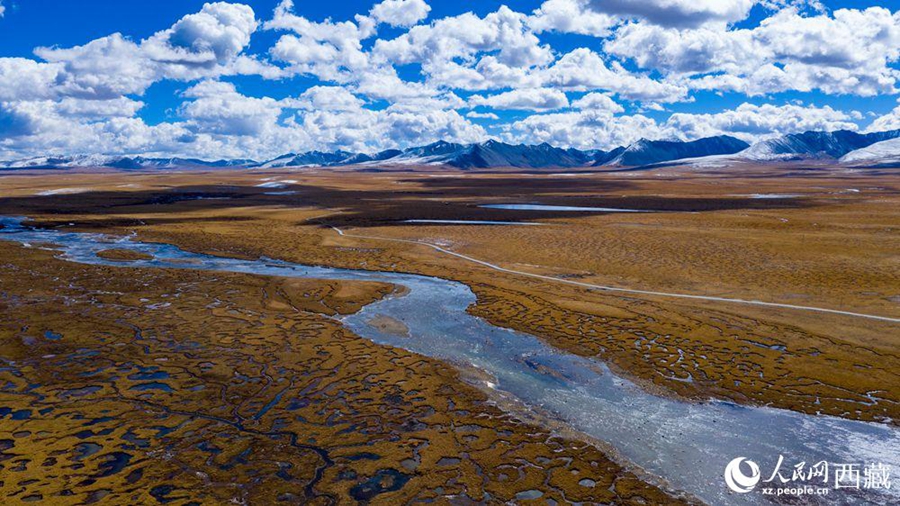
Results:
482 115
869 41
79 98
677 13
451 51
583 69
219 32
400 12
391 77
218 121
598 102
686 52
327 98
570 16
889 121
596 128
2 9
582 129
541 99
802 5
218 108
16 122
328 50
24 79
787 51
755 122
201 45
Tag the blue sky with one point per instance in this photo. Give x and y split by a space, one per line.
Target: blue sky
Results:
259 78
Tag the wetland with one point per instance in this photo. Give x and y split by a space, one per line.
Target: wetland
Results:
190 322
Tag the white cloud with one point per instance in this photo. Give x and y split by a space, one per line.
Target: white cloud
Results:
686 51
463 36
327 98
583 70
219 32
449 48
889 121
482 115
354 94
218 108
54 133
400 12
787 51
598 102
16 120
846 53
801 5
752 122
600 129
23 79
328 50
2 9
570 16
103 68
205 44
404 128
677 13
582 129
98 109
541 99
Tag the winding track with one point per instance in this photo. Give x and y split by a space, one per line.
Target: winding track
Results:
617 289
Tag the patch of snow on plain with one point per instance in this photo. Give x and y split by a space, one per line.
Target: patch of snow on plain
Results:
276 184
62 191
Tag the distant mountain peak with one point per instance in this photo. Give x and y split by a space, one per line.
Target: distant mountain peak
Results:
815 145
647 152
844 145
885 153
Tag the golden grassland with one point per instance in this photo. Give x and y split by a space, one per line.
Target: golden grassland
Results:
836 246
199 388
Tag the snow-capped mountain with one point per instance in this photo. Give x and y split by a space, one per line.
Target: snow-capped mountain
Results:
876 148
140 162
118 162
438 152
45 162
309 159
647 152
377 157
466 156
498 154
327 159
814 145
604 157
881 154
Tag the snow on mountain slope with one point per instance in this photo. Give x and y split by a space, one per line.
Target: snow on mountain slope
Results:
814 145
646 152
878 154
849 147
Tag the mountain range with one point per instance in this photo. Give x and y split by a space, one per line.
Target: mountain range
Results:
843 146
816 145
645 152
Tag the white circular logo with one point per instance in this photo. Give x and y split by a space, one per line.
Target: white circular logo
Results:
737 480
